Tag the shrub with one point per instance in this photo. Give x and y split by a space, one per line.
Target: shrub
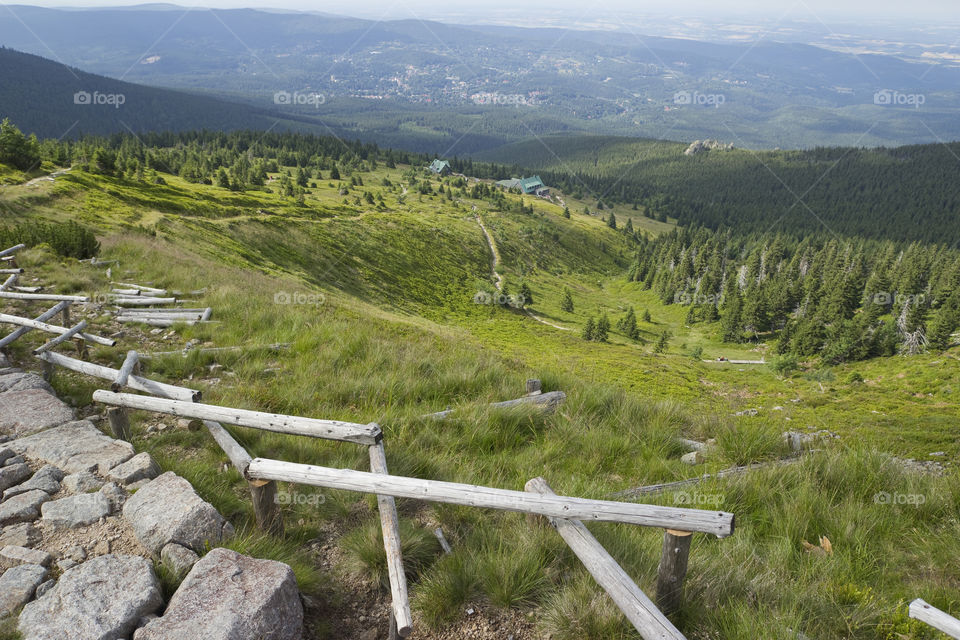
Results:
70 240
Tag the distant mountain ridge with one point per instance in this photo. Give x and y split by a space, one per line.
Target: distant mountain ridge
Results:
55 101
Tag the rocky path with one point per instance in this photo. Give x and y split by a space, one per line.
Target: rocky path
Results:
83 518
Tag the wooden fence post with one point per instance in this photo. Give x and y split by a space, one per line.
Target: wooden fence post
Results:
673 569
265 506
119 423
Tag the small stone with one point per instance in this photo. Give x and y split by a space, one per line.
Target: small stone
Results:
23 534
189 425
17 586
75 553
178 558
692 458
76 511
14 460
65 564
139 467
101 548
46 479
11 556
14 474
22 508
115 495
6 454
82 482
46 586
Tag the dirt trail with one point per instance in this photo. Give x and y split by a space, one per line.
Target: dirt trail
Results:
498 279
47 178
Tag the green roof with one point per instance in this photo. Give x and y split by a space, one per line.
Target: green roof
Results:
529 185
439 165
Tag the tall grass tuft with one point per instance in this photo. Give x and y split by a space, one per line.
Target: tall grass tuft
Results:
364 547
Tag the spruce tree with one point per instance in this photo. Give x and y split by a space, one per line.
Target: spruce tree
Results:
566 303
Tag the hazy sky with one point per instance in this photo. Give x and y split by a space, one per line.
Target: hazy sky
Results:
866 10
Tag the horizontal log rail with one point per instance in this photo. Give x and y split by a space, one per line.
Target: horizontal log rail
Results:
13 249
312 427
939 620
714 522
133 382
546 402
635 605
72 332
46 315
52 328
139 287
14 295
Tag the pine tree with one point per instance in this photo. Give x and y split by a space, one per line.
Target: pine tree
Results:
612 221
334 173
646 316
663 341
566 303
590 329
526 295
602 331
629 226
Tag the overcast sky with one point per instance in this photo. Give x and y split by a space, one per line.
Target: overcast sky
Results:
857 9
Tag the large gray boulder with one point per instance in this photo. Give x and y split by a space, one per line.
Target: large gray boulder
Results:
23 534
101 599
229 596
75 446
22 508
31 410
168 510
76 511
17 586
20 381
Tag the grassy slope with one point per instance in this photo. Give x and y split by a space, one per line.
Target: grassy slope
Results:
397 335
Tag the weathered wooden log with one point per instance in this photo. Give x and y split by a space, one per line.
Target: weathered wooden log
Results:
635 605
13 271
28 289
14 249
677 484
447 549
939 620
390 523
63 337
46 315
673 569
126 292
266 509
9 282
52 328
119 423
715 522
238 456
328 429
545 402
134 382
138 287
185 351
157 313
206 314
172 317
15 295
159 322
125 370
134 301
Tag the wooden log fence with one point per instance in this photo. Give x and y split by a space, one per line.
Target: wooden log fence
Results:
327 429
138 287
133 382
14 249
713 522
14 295
546 402
129 364
139 301
72 332
9 282
939 620
46 315
390 523
635 605
52 328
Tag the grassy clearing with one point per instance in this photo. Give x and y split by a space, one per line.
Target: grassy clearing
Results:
386 330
